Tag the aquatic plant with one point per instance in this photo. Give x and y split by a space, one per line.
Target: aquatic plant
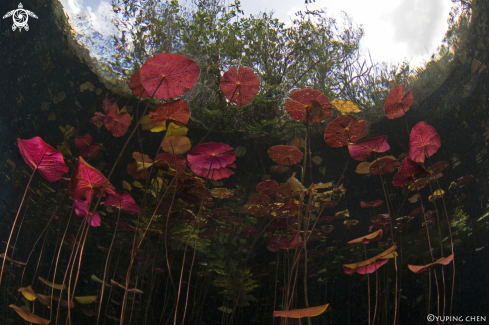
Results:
191 230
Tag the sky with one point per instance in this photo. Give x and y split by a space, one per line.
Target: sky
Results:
395 30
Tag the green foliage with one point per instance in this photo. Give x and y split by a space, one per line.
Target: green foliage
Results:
314 51
235 282
459 222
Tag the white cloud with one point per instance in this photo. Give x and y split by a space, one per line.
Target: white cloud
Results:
102 18
72 7
394 30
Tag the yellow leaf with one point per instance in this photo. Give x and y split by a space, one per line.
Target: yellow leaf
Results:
30 317
175 130
94 278
28 293
317 160
64 149
436 195
159 127
52 285
345 106
86 299
43 299
137 184
52 117
126 186
11 163
146 123
225 309
67 131
86 86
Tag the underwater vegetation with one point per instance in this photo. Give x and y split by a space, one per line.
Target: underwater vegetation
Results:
185 235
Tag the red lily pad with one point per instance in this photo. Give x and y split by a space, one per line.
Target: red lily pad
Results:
371 204
175 111
384 165
396 103
132 170
438 167
285 155
268 187
168 75
375 236
98 119
87 182
308 103
136 86
362 150
421 268
372 264
117 121
408 173
464 180
168 160
211 155
214 174
122 201
363 168
283 242
86 147
42 157
343 130
419 184
301 313
423 141
240 86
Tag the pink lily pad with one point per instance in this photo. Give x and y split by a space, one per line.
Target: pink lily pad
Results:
87 182
211 155
408 173
423 141
396 103
42 157
86 147
122 201
362 150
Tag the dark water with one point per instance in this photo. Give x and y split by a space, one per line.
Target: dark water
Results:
224 268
